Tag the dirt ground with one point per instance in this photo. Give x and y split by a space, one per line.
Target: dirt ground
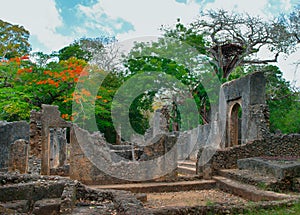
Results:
190 198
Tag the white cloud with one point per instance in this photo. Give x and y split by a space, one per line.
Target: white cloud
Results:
146 16
243 6
290 70
39 17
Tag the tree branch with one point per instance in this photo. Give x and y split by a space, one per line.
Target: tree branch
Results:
261 61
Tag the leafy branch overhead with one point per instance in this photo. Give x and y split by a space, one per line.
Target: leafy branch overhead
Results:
234 39
13 40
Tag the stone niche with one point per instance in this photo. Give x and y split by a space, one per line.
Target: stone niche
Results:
9 133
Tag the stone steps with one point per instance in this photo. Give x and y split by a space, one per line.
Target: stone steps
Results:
158 187
186 167
187 163
247 191
183 170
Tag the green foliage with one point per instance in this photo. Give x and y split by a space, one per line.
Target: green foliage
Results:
14 105
283 100
188 35
180 53
13 40
139 112
73 50
277 210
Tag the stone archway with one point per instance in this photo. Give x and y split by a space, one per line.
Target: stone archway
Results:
234 125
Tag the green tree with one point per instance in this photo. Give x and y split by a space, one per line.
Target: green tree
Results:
181 53
282 98
13 40
73 50
234 39
283 102
14 97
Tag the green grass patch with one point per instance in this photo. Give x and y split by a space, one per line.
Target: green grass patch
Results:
284 210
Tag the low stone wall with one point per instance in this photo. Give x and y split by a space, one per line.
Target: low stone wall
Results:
189 142
9 133
283 146
43 195
84 162
36 133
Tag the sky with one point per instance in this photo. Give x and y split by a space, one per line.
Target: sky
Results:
54 24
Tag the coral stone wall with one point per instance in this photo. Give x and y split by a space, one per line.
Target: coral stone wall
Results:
9 133
274 146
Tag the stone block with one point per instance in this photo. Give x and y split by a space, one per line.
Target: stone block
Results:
18 156
47 207
20 206
278 168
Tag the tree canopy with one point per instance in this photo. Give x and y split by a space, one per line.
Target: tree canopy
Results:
234 39
13 40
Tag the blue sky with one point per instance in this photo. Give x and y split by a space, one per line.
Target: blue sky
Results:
54 24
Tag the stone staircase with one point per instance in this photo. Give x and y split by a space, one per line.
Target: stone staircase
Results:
187 167
247 184
254 182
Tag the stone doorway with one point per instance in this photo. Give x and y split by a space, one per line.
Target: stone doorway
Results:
58 147
235 124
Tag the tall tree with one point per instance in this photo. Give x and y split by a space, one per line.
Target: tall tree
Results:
234 39
13 40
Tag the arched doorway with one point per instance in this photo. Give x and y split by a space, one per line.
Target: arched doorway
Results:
235 123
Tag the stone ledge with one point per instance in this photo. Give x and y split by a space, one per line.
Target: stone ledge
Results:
161 187
246 191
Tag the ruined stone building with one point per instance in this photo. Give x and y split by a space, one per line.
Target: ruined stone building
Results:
58 147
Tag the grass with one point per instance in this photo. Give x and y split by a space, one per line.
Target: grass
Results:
262 185
295 210
210 203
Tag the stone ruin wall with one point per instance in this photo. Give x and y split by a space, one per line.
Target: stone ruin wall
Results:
47 151
35 134
285 146
11 135
99 154
248 93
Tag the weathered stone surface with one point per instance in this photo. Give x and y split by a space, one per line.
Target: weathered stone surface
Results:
114 168
9 133
248 191
35 134
20 206
47 206
4 210
274 146
249 93
31 191
18 156
68 199
33 194
280 169
51 118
